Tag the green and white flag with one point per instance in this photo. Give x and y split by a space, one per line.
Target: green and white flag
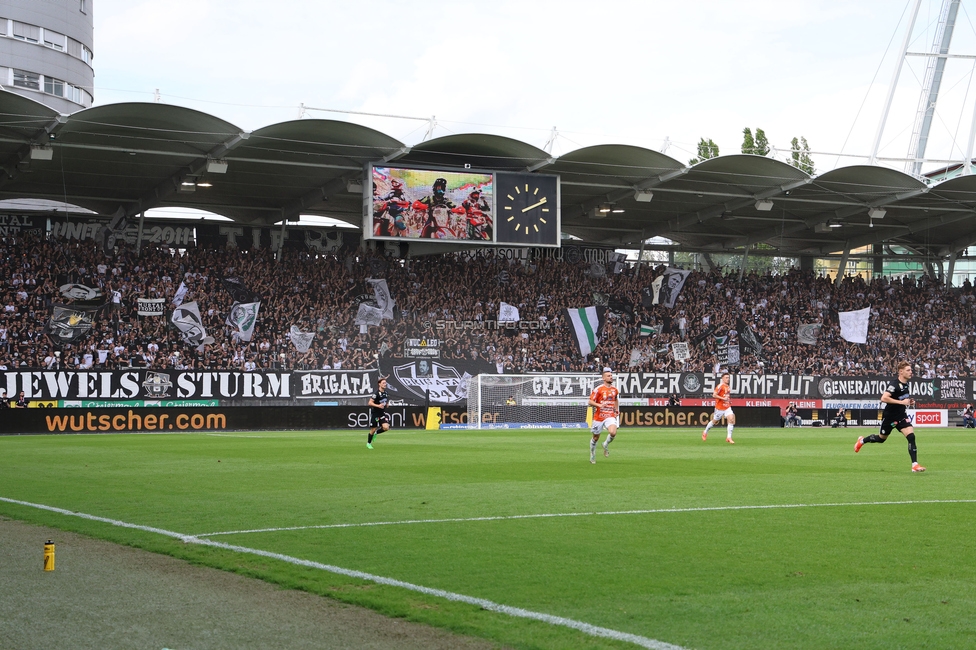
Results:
647 330
586 325
243 316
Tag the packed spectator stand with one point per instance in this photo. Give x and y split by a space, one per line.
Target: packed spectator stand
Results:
920 320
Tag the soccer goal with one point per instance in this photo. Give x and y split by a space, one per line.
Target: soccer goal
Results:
529 401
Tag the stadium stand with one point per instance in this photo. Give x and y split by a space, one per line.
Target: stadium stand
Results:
913 319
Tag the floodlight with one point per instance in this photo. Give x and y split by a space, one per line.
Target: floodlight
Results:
877 213
38 152
644 196
216 166
764 205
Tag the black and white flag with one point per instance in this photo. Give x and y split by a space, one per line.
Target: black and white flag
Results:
79 292
69 323
647 297
186 318
674 281
238 291
808 333
749 341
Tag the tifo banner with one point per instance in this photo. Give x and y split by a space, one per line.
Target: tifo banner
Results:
423 348
334 383
152 384
410 378
446 381
153 232
151 306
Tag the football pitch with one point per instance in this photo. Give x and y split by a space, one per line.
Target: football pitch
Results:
786 539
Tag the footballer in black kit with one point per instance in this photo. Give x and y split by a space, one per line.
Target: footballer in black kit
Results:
896 399
379 419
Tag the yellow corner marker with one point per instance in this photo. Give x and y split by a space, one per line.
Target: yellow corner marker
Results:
49 556
589 416
433 418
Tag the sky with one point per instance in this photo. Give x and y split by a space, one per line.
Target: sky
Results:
654 74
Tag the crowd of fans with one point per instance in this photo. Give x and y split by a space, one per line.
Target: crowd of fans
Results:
919 320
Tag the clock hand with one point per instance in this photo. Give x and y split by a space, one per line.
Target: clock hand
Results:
534 205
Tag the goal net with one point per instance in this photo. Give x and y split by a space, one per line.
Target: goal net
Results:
529 401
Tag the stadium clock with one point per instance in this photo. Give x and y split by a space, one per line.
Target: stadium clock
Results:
527 209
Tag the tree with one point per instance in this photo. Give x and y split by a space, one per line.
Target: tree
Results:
758 145
706 149
800 155
748 143
762 144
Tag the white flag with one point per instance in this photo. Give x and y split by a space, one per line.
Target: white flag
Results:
301 340
368 315
180 295
508 313
385 302
854 325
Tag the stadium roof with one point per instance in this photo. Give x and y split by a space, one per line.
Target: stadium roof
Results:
136 156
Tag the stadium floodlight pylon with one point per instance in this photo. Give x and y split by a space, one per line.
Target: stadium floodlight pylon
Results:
529 401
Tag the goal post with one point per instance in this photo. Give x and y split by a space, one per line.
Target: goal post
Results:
530 401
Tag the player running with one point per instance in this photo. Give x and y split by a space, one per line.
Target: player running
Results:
723 408
897 400
606 403
378 417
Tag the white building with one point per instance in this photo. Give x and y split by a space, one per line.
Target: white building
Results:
46 51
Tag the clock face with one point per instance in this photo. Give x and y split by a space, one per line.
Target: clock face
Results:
527 209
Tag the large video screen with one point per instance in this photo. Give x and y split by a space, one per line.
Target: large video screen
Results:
427 204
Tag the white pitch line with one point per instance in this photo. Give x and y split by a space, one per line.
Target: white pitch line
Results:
404 522
518 612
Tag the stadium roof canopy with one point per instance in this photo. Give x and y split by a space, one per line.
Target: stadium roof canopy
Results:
135 156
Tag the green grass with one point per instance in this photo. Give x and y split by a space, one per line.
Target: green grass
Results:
858 576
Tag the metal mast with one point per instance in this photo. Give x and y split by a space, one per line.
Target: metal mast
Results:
930 86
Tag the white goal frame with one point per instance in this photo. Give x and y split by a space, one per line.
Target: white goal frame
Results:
541 401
